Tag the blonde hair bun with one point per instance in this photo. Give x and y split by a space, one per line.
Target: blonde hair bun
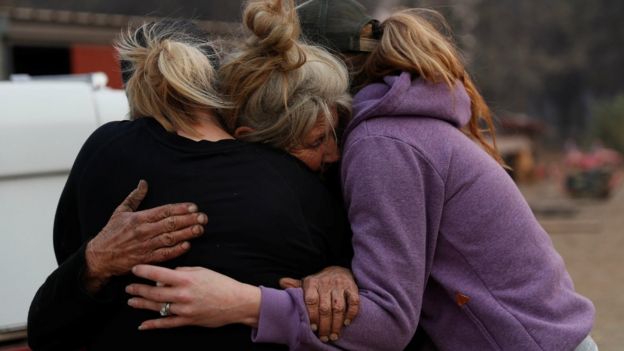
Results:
276 29
169 72
279 86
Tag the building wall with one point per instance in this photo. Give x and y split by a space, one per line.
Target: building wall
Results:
85 37
96 58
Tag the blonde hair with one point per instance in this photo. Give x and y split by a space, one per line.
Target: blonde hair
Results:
279 86
169 73
411 42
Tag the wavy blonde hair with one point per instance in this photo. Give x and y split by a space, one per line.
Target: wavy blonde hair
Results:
279 86
171 77
411 42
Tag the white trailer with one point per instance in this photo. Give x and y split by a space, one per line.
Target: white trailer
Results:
43 124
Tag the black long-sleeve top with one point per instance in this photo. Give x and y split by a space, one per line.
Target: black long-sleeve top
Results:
270 217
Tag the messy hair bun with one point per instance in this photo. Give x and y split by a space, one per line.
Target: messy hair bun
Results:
169 72
279 86
276 30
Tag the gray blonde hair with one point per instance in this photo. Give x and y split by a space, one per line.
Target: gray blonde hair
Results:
169 73
279 86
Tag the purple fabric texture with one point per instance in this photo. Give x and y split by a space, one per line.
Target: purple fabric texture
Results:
442 238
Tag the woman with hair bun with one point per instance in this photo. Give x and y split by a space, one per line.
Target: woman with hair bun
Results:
270 216
281 87
442 238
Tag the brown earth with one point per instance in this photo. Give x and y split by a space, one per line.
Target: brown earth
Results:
589 235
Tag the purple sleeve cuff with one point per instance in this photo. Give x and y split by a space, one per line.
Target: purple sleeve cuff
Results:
280 318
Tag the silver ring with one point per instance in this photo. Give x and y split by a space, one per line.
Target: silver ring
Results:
164 310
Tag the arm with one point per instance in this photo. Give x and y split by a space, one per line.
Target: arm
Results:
384 182
60 302
69 304
198 296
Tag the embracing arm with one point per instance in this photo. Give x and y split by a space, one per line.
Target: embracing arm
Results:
384 182
62 314
68 306
61 302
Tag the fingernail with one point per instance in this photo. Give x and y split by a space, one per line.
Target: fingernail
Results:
202 218
130 302
197 229
324 339
192 208
129 289
333 337
314 327
347 322
141 327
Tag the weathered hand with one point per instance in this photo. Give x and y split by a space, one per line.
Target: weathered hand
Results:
130 238
332 299
197 296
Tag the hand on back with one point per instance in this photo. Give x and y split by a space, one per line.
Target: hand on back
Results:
130 238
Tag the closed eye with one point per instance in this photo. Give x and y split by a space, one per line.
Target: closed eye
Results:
318 142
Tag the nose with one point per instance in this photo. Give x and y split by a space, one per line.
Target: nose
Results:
332 152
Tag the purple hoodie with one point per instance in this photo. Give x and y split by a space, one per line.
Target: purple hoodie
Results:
442 238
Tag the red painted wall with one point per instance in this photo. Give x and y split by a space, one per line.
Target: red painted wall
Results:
97 58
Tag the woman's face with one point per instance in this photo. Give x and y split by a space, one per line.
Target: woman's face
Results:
319 146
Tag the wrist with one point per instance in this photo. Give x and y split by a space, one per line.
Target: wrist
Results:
249 310
94 276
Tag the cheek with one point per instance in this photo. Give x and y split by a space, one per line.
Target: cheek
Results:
332 147
312 158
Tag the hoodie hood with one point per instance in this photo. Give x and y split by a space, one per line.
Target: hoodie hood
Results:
400 96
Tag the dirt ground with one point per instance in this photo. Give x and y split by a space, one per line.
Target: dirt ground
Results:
589 235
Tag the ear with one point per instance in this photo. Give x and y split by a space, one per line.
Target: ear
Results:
241 131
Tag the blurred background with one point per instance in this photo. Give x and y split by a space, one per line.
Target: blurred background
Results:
551 70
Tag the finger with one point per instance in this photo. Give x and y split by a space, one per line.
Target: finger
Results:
311 298
173 224
159 274
289 283
353 306
189 269
134 199
145 304
163 323
162 212
325 314
167 253
151 292
338 314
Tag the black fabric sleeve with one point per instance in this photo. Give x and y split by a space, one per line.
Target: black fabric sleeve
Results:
62 314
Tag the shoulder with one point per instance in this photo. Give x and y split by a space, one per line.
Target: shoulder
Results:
108 132
104 139
427 141
118 129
